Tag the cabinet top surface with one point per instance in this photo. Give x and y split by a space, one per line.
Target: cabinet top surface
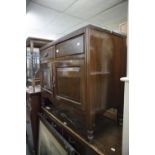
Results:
81 31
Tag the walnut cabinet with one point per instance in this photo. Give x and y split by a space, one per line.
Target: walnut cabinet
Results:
81 73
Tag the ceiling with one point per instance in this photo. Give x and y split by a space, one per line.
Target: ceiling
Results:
52 19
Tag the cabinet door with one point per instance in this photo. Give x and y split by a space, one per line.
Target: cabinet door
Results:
47 73
70 82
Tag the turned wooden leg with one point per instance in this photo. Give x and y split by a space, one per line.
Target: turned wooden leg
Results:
90 124
90 121
90 135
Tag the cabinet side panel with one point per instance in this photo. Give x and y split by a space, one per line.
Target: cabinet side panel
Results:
101 54
105 70
118 71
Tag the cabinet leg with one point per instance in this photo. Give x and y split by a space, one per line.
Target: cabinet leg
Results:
90 135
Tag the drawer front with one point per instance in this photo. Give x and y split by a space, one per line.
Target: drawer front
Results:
70 47
47 53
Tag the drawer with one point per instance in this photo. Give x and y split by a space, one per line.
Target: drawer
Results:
70 47
47 53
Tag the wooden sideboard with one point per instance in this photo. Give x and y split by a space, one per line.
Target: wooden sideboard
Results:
80 74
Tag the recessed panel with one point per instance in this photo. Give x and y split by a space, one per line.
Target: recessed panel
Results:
68 83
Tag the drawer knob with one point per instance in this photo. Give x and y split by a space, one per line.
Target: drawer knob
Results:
57 51
78 44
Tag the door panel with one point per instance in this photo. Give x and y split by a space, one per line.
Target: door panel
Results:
70 82
47 73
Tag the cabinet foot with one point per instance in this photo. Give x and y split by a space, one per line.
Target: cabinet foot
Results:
90 135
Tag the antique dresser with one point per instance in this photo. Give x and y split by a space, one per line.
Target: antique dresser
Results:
80 76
